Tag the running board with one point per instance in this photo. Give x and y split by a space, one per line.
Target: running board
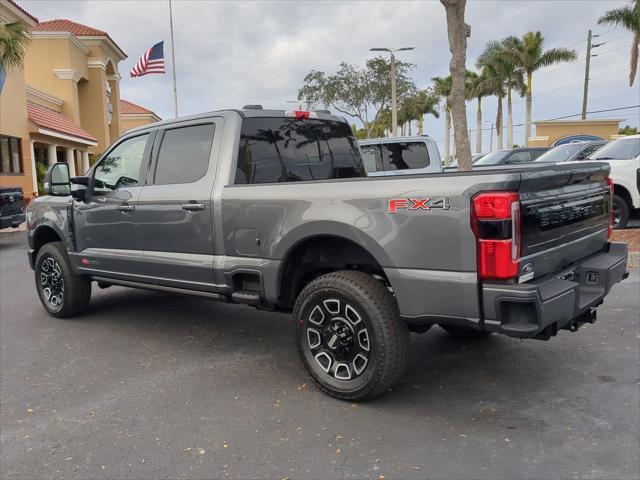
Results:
247 297
162 288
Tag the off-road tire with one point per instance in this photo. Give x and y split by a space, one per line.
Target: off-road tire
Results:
622 207
388 340
464 332
76 288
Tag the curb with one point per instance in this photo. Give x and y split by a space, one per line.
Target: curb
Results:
634 260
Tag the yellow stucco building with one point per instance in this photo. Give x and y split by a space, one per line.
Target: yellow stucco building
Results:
554 132
64 104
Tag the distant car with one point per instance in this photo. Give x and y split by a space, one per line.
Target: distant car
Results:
510 156
400 156
474 158
11 207
623 155
570 152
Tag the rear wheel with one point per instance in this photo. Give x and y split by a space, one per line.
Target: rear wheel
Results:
464 332
349 335
62 293
620 213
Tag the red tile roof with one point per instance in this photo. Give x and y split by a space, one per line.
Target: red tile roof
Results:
23 11
63 25
127 107
52 120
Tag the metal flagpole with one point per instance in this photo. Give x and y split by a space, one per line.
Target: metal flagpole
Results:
173 62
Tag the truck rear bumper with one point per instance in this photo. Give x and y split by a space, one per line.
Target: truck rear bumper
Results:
12 220
538 309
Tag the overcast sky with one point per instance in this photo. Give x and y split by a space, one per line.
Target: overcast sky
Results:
231 53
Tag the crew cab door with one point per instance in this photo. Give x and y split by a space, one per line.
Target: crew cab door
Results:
105 223
175 211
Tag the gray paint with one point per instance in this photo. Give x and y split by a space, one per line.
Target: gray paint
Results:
429 256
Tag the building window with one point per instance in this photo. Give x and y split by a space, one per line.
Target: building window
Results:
10 155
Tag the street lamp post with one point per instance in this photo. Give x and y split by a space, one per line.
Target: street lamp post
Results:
394 100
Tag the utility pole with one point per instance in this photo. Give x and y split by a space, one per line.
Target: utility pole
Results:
394 100
173 63
491 141
585 95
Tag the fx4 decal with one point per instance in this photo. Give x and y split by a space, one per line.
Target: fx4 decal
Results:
414 204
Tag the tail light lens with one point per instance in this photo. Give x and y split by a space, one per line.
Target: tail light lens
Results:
495 220
610 229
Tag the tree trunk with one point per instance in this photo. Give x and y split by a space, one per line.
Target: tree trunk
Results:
447 136
479 126
635 44
421 125
527 132
458 32
509 120
409 128
499 129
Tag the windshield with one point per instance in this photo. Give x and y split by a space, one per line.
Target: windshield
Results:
494 158
622 149
561 153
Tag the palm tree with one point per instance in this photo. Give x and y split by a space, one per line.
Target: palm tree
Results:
442 89
495 78
416 106
477 88
14 39
629 18
529 54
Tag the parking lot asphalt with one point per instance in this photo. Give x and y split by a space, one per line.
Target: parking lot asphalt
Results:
152 385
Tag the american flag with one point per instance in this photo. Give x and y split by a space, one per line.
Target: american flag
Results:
151 62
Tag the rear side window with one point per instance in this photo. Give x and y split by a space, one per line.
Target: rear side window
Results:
275 150
371 158
406 155
184 154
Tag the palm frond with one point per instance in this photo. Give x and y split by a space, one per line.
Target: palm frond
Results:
626 17
14 39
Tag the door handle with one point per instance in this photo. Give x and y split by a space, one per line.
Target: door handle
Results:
192 207
125 208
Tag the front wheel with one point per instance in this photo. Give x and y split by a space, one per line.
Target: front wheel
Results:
349 335
620 212
62 293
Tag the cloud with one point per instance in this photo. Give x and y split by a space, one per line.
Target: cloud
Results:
231 53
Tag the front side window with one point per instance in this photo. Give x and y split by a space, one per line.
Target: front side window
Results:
184 154
275 150
371 158
494 158
406 156
10 155
588 151
561 153
121 167
519 157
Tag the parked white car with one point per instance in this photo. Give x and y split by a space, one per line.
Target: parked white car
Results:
623 155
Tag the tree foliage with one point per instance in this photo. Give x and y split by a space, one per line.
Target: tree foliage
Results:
361 93
14 39
627 17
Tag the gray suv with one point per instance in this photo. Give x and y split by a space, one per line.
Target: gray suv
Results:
274 210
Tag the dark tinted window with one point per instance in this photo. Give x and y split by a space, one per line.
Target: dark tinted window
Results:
403 156
184 154
588 151
536 153
288 150
371 158
519 157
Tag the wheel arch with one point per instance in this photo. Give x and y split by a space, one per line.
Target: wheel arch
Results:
623 193
43 234
318 253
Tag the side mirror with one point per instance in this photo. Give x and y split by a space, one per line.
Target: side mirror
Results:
56 181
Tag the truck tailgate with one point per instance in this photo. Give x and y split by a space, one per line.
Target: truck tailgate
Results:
565 215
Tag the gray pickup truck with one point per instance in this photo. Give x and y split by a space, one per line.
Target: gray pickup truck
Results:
273 209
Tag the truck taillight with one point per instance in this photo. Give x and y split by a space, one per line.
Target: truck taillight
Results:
610 229
495 220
